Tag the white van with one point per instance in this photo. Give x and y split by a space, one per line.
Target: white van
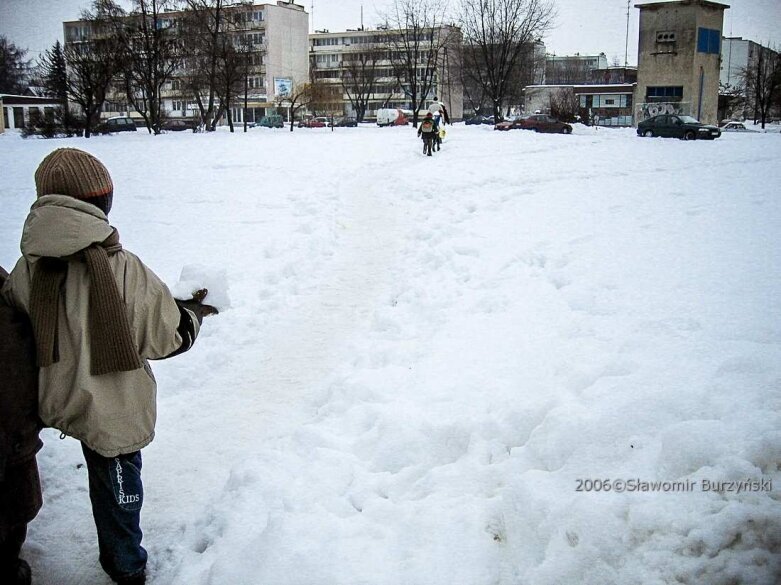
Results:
391 117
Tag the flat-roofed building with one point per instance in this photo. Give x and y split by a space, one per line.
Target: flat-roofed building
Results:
275 37
679 57
336 58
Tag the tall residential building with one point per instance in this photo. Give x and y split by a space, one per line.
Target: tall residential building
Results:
276 38
334 57
679 59
737 57
573 69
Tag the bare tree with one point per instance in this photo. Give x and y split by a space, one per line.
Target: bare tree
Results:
91 69
416 37
233 59
359 77
151 54
203 27
762 82
497 36
564 104
299 96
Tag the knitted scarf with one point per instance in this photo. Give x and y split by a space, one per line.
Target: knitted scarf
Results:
112 346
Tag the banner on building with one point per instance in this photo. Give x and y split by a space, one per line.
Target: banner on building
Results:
283 86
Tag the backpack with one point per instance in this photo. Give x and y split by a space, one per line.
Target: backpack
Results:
19 424
427 126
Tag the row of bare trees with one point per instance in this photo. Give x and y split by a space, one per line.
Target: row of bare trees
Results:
137 52
489 45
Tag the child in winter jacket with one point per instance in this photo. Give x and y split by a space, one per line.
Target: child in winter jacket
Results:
20 487
427 131
98 315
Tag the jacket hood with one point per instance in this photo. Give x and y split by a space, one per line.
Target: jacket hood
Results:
59 225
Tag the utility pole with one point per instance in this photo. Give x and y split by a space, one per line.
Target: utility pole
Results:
626 48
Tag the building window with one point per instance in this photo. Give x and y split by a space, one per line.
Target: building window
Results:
671 93
708 41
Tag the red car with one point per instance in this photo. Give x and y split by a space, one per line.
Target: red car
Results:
511 124
313 123
543 123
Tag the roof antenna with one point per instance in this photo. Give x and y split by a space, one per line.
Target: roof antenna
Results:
312 15
361 16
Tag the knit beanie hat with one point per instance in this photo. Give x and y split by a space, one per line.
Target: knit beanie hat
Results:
70 171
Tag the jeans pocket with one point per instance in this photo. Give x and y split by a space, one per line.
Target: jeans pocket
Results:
125 476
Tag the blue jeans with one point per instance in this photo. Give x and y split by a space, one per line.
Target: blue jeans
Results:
117 495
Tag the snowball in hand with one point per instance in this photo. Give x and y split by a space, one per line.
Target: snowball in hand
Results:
197 276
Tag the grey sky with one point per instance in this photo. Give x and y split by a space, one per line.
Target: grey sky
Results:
583 26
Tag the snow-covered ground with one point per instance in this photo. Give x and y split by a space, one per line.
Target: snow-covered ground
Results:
422 359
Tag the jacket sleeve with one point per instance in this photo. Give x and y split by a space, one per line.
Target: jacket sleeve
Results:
189 325
161 328
16 288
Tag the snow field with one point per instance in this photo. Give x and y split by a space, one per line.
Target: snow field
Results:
421 356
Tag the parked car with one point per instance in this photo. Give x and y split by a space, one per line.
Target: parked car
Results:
490 120
674 126
476 120
272 121
345 122
180 125
509 124
311 123
736 127
117 124
543 123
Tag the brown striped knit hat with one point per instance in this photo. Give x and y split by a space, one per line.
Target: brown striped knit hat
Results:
70 171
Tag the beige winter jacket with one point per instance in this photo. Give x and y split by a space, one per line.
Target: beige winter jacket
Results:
114 413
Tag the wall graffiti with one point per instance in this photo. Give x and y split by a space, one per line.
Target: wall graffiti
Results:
651 109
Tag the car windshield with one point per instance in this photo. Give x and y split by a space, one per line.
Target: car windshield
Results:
689 120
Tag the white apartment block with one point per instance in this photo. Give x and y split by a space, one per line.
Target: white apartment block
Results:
331 51
277 34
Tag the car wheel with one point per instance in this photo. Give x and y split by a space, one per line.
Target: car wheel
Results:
689 135
648 133
566 130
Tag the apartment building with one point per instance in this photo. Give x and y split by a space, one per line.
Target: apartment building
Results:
739 55
332 54
679 59
573 69
276 36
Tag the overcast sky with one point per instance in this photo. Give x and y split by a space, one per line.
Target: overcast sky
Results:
582 26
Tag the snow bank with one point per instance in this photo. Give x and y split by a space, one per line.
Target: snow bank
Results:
417 373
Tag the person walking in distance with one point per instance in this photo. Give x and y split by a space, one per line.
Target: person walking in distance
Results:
98 315
441 117
426 131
